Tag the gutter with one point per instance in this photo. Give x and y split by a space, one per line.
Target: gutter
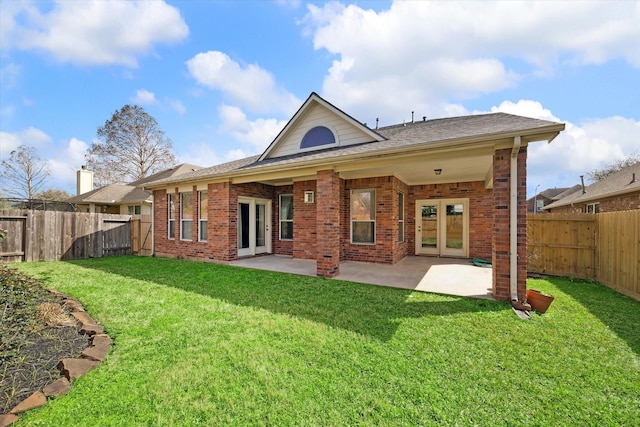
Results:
513 218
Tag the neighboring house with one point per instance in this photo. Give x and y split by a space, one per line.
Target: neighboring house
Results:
130 199
617 192
331 189
543 198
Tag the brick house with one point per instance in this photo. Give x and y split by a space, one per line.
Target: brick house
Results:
536 203
619 191
331 189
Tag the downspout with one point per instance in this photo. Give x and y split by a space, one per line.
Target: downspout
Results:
513 218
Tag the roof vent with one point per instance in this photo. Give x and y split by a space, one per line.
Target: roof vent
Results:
582 180
377 122
412 117
424 118
633 178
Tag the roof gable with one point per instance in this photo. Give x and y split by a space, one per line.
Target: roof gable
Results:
316 112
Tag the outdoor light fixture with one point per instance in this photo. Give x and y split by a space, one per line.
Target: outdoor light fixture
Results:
308 197
438 171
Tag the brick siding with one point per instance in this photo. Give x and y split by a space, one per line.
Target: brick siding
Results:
328 223
501 224
480 212
623 202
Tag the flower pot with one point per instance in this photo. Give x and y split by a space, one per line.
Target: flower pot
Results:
539 301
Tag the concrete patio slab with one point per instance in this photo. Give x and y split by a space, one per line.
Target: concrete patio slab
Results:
428 274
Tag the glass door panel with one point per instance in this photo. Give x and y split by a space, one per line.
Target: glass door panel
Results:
454 227
260 225
243 226
427 228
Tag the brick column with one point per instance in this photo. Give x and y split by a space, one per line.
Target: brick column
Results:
328 223
501 224
223 220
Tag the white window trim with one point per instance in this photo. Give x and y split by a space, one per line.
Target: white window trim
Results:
351 221
593 208
280 216
170 197
401 221
183 221
200 220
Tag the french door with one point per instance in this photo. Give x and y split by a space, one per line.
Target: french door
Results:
442 227
254 226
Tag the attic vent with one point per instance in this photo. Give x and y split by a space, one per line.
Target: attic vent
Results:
318 136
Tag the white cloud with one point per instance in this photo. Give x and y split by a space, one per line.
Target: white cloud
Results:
144 97
30 137
579 149
249 86
259 133
64 164
92 32
423 55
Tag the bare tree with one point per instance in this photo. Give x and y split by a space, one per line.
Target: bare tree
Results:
130 146
611 168
24 173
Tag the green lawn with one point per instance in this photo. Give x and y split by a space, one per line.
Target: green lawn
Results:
210 345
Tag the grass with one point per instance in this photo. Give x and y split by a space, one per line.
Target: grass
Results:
206 344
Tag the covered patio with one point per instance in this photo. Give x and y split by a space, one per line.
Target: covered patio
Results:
450 276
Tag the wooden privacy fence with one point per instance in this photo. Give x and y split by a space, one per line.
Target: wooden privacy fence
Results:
34 235
604 247
141 235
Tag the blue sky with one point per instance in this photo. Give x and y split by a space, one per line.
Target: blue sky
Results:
223 77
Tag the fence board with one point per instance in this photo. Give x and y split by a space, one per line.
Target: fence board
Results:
50 235
562 244
619 255
604 247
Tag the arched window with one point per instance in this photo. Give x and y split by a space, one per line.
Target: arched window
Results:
317 137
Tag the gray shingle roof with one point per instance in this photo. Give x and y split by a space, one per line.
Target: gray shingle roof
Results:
132 192
111 194
401 136
617 183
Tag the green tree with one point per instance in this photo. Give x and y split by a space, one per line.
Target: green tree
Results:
24 173
613 167
54 195
130 146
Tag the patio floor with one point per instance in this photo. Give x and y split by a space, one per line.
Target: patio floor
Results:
429 274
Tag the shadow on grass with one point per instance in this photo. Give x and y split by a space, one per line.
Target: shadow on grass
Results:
620 313
365 309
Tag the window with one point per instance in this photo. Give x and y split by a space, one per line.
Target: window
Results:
286 217
317 137
172 216
593 208
400 217
135 210
363 216
186 216
202 216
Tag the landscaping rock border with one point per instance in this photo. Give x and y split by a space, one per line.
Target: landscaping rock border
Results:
70 368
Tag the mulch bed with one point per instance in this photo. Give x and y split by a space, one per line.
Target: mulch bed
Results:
36 332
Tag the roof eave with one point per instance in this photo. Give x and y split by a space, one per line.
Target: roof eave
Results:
488 140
